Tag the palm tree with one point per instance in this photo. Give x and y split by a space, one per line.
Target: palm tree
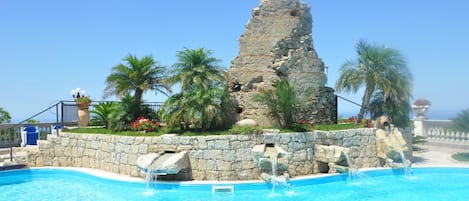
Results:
101 113
377 68
397 108
200 102
196 68
137 76
280 102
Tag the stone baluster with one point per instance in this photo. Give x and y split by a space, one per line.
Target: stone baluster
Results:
444 135
431 133
440 135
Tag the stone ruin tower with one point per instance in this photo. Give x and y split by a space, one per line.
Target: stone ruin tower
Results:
277 44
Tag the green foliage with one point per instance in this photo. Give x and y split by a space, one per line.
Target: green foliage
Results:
202 102
330 127
302 127
137 76
199 109
4 116
122 114
83 99
32 121
419 140
461 122
383 72
460 156
416 141
196 68
397 110
102 112
280 102
113 132
244 130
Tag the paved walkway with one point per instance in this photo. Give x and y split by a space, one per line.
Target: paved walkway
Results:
439 154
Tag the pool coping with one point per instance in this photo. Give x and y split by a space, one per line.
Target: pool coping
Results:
114 176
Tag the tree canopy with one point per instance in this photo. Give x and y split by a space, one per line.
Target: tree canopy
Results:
136 75
383 73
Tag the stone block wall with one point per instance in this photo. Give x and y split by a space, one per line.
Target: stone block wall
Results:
226 157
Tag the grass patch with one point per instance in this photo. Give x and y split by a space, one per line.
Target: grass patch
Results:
111 132
235 130
137 133
419 140
332 127
461 156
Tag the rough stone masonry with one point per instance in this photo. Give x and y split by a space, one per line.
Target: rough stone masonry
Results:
277 44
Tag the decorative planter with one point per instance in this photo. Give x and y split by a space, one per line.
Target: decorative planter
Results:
83 114
420 110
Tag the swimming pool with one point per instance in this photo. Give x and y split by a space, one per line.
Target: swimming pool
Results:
431 183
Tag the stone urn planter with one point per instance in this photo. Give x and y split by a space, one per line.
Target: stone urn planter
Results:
83 103
420 110
83 114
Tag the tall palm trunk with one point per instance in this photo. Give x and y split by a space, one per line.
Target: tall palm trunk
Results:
365 105
138 100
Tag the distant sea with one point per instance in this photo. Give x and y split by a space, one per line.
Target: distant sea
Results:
437 115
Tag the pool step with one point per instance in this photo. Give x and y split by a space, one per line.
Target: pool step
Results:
7 164
4 151
222 189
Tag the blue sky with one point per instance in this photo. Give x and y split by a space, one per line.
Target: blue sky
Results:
50 47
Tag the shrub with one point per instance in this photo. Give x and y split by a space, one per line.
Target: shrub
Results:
302 126
461 156
461 122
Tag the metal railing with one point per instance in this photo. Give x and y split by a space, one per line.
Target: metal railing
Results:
65 115
12 132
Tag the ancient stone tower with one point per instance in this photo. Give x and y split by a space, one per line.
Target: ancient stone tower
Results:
277 44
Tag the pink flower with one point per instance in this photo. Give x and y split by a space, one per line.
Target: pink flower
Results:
420 102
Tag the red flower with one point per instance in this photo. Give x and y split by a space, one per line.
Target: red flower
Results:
420 102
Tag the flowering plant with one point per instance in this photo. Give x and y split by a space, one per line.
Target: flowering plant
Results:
421 102
80 96
143 124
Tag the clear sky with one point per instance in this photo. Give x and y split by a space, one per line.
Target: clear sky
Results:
50 47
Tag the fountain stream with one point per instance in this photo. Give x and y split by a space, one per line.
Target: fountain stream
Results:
271 154
399 145
352 172
406 164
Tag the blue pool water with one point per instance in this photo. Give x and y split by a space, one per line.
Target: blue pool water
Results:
385 184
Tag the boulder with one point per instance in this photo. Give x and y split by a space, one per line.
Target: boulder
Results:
246 122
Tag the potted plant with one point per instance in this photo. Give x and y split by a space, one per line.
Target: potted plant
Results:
83 102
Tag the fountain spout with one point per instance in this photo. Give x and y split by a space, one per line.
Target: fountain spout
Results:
164 163
270 160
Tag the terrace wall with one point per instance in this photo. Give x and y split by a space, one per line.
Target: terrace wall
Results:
225 157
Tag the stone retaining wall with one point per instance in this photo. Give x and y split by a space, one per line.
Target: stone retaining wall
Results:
226 157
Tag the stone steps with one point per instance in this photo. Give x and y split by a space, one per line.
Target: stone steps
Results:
6 164
4 151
